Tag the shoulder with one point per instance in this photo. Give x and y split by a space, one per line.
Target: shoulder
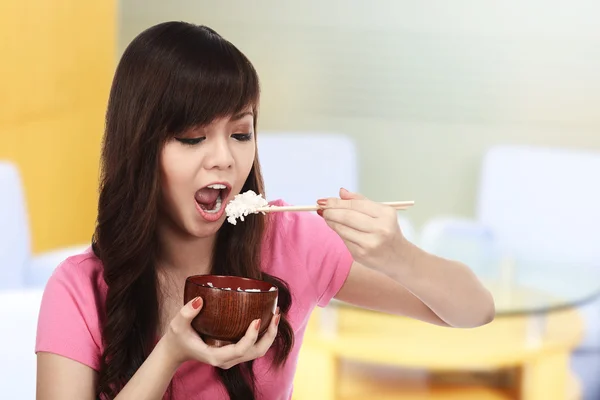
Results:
69 322
296 236
81 273
301 228
306 252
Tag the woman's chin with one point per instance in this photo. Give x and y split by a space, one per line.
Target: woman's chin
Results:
204 229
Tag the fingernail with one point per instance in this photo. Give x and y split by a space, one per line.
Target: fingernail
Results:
322 202
320 212
277 318
257 324
197 303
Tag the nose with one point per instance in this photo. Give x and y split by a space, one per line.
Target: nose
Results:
219 155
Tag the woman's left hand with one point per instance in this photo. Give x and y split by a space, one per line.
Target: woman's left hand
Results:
370 230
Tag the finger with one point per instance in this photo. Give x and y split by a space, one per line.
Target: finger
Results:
366 207
345 194
351 218
190 310
266 341
243 346
348 234
183 322
237 351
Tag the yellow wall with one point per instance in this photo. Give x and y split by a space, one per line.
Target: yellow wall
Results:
57 60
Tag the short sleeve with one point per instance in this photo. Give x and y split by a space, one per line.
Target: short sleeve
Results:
321 251
68 323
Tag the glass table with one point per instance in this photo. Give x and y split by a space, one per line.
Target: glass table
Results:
536 287
536 327
532 288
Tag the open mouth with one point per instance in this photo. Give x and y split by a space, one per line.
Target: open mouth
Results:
211 198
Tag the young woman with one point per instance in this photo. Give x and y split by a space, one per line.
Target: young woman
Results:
180 142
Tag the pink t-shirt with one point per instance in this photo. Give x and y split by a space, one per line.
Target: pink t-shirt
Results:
303 251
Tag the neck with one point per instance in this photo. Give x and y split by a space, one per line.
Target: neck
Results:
184 255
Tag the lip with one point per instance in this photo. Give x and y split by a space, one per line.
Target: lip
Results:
225 199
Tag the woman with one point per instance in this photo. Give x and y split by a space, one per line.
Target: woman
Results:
179 144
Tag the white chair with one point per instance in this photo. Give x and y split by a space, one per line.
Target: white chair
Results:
18 266
19 313
301 167
14 232
539 204
542 202
533 204
463 240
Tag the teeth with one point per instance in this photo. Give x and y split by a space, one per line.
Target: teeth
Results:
217 186
217 208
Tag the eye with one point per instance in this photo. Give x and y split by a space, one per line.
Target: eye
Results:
242 137
190 142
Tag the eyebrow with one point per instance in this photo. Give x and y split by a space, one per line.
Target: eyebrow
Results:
241 115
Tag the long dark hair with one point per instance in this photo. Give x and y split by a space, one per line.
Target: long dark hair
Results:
172 77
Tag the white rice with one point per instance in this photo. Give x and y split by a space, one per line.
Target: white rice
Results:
244 204
273 288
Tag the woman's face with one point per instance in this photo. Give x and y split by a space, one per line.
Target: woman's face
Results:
202 169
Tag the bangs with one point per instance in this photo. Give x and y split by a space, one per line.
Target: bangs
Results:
209 78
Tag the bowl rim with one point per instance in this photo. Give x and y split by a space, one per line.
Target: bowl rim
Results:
189 279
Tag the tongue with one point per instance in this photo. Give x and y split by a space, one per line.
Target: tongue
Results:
207 195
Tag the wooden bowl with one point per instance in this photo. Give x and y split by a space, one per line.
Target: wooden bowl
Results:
226 314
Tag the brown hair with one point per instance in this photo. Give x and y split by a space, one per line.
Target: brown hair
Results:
172 77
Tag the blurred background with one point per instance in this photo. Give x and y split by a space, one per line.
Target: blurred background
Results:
484 113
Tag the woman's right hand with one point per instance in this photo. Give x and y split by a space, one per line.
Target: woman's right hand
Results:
183 343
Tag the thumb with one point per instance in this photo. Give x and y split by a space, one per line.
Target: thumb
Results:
192 308
345 194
